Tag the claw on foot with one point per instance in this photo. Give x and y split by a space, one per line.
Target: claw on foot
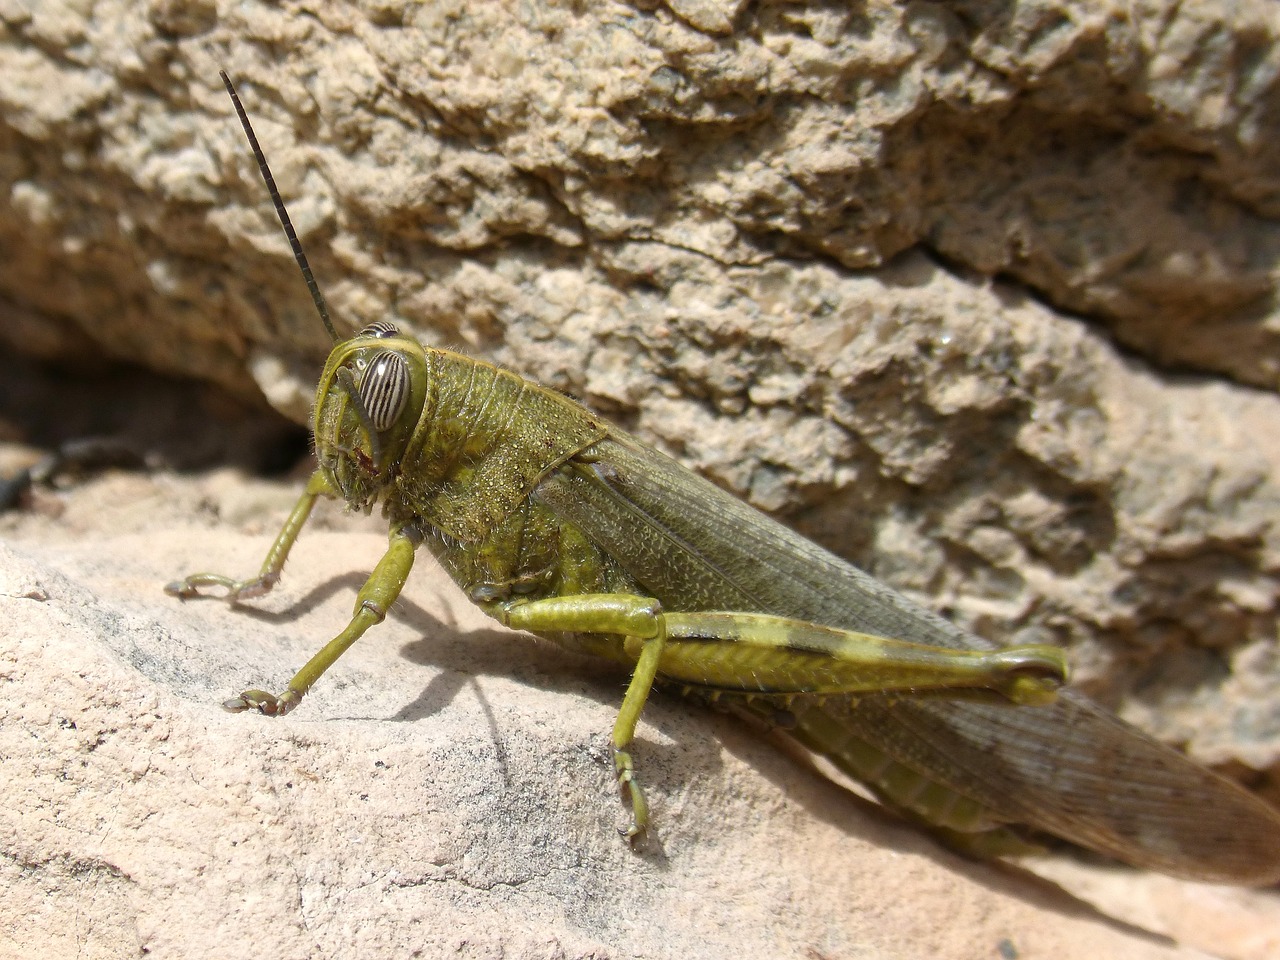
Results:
633 796
237 590
265 703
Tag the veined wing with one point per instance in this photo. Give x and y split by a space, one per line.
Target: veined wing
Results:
1070 768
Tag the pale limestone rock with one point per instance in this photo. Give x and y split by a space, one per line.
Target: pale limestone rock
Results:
980 295
444 790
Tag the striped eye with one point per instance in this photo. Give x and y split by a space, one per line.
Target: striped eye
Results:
380 328
384 389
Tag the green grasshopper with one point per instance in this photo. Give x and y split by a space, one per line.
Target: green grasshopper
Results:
556 522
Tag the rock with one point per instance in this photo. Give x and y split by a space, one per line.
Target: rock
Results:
763 238
980 296
446 788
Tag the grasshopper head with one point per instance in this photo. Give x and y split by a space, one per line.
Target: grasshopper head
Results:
374 385
368 404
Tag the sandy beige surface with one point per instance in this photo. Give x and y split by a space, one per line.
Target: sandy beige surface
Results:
445 789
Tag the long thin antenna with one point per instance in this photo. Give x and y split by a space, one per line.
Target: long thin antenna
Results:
316 296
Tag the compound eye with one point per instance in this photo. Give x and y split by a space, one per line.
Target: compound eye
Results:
380 329
384 389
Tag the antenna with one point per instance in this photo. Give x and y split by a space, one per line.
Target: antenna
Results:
316 296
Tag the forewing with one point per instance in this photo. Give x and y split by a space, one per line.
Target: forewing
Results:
1070 768
698 548
1075 770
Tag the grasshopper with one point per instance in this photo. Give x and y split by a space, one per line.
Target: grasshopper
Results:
556 522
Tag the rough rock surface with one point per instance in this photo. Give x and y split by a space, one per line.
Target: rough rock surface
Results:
981 295
764 237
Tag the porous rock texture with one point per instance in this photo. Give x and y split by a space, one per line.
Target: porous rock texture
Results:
980 295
